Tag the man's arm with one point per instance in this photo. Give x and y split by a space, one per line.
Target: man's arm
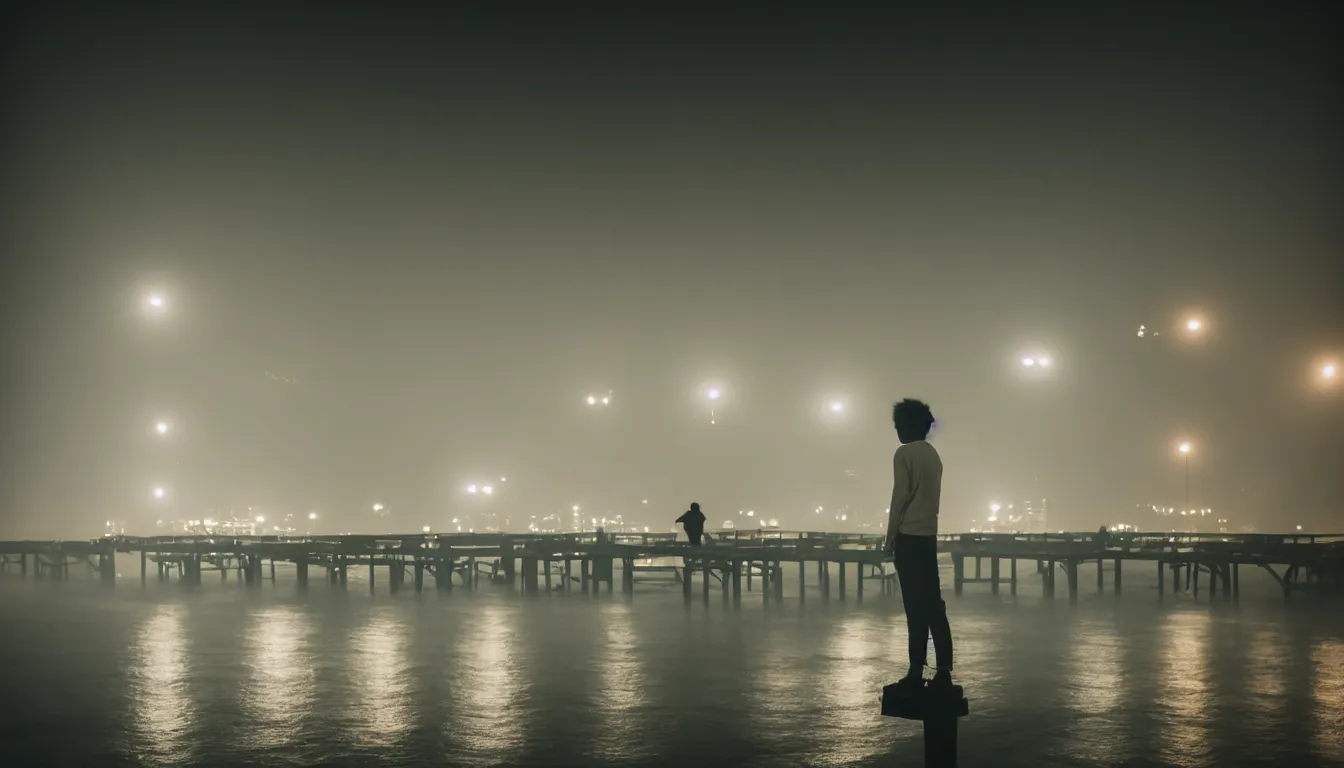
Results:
900 498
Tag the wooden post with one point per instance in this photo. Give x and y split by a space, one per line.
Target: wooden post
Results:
1236 580
994 575
977 567
583 575
1012 574
858 583
765 581
686 578
548 576
272 570
1118 573
144 565
958 573
802 579
1195 577
569 573
938 710
1101 582
841 592
419 575
301 570
778 580
371 578
704 575
737 581
627 575
1071 573
1161 575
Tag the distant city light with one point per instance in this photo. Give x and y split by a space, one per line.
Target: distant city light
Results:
377 507
994 507
1184 448
312 515
161 428
1194 324
837 406
471 488
159 492
425 529
503 479
261 518
1028 361
1328 371
592 400
487 490
714 393
1044 362
576 507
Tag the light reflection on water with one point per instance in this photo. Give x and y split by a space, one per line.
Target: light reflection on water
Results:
620 693
280 690
1183 700
487 685
380 698
164 710
1327 658
491 679
855 666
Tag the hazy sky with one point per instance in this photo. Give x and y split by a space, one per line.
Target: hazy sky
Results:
447 225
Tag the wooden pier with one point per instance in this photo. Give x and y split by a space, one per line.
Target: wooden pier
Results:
588 562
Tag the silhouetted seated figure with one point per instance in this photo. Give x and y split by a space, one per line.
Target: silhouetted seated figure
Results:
693 522
1103 538
912 539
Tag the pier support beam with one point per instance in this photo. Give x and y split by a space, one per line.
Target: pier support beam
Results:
737 581
994 576
530 575
1012 576
301 571
1118 574
802 579
958 573
841 564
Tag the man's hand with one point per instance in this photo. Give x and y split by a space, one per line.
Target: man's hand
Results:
889 547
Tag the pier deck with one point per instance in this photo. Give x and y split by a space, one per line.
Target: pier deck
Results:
588 560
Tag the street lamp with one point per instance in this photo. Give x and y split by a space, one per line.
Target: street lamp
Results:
1185 449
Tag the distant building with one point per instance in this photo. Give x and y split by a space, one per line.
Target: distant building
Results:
1035 516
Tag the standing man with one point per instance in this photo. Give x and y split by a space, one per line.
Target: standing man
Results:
912 539
694 524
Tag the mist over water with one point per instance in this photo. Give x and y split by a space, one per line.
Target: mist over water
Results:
223 676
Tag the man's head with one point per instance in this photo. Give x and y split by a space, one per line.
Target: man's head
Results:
913 420
695 507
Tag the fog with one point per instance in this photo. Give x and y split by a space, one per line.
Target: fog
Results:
397 250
